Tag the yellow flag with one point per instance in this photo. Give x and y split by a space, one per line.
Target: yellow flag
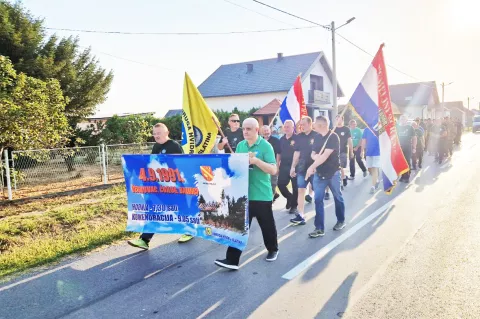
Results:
198 127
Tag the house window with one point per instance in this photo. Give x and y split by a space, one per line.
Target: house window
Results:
316 82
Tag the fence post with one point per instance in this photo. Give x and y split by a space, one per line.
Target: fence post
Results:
104 165
7 171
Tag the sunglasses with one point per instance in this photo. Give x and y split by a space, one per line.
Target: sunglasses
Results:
235 121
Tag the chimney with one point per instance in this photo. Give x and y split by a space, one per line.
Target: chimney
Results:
249 67
279 57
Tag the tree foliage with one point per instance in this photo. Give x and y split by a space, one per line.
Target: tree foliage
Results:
126 130
83 82
31 111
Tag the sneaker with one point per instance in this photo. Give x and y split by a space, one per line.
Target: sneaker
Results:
139 243
339 226
298 220
185 238
316 233
288 206
225 263
372 190
365 174
327 196
345 181
351 178
377 185
293 211
308 198
272 256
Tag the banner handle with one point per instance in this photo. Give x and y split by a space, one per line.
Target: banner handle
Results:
221 133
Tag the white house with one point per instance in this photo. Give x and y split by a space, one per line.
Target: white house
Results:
256 83
417 99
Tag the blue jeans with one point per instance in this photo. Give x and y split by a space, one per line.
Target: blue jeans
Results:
302 182
319 186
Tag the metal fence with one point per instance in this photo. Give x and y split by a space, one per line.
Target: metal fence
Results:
38 172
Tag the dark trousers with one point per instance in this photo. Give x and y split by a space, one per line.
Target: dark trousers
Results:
407 152
442 149
358 158
146 237
283 179
417 158
262 210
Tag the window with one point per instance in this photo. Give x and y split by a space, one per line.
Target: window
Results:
316 82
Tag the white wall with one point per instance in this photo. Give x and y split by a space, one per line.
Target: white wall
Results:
327 85
243 102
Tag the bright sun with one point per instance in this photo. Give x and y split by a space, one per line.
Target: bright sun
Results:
464 13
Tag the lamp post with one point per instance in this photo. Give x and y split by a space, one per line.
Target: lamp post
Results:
443 98
468 102
334 68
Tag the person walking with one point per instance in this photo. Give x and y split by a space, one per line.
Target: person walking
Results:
346 146
417 157
263 165
284 163
326 171
302 159
371 149
233 135
408 143
163 145
275 142
356 134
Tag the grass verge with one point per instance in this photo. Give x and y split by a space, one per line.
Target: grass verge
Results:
65 226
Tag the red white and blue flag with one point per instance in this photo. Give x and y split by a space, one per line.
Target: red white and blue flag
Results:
293 106
371 101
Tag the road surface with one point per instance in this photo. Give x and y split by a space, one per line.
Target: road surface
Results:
412 254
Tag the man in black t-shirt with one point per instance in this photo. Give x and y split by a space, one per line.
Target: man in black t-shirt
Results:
275 142
417 157
408 143
163 145
302 159
325 169
284 162
233 135
346 145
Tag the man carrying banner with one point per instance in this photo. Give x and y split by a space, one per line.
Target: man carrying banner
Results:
325 169
267 135
262 165
346 146
408 143
284 162
233 135
163 145
301 161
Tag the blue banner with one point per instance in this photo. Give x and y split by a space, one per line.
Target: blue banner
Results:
202 195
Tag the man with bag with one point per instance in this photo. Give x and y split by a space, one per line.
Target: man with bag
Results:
326 172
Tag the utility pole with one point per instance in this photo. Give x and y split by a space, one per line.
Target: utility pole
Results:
443 98
334 80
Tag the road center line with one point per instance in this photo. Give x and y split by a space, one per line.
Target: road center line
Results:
334 243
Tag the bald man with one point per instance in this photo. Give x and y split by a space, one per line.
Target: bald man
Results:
262 166
275 142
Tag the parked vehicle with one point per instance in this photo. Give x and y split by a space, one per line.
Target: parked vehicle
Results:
476 123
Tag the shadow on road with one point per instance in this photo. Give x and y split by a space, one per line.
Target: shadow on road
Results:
337 304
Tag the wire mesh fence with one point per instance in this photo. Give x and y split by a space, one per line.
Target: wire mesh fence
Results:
114 157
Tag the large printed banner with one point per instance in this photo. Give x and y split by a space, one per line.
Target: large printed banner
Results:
202 195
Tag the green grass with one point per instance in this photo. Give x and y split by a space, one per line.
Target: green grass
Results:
64 227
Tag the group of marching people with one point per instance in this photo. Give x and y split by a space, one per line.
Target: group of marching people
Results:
309 159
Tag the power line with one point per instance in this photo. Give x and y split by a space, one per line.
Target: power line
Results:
179 33
263 15
328 28
290 14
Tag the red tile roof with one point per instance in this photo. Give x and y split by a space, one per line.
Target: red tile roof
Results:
270 109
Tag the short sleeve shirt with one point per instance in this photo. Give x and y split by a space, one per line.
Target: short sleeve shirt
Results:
405 134
169 147
304 144
356 134
287 148
259 182
233 139
275 142
420 133
332 164
373 146
343 134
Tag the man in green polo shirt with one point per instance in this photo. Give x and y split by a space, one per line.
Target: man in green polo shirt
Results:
356 134
262 165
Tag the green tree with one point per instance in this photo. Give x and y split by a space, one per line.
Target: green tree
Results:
31 111
125 130
83 82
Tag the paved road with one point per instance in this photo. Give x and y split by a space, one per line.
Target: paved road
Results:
413 254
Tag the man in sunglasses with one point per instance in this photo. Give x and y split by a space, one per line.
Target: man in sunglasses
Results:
233 135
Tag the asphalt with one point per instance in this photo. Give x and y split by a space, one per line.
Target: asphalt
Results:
412 254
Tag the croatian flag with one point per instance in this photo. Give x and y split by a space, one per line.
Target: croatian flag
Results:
371 101
293 106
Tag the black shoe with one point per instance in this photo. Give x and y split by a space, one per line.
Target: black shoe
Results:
365 173
339 226
351 178
308 198
272 256
345 181
225 263
288 206
327 196
293 211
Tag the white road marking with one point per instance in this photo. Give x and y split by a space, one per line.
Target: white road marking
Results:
304 265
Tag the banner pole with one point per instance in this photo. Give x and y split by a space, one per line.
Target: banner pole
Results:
221 132
274 117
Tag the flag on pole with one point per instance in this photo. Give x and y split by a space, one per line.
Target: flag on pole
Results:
293 106
371 101
199 130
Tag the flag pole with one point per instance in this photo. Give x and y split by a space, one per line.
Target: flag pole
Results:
274 117
221 132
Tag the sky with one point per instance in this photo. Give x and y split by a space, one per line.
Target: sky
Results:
429 40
